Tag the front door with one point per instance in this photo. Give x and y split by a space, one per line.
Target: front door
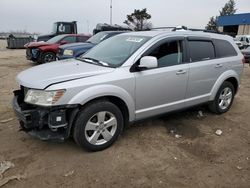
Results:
162 89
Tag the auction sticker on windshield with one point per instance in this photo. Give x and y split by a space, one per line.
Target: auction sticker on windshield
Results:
134 39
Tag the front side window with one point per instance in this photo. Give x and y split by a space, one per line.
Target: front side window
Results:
167 54
201 50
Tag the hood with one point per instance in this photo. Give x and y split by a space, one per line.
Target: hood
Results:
41 76
73 46
36 44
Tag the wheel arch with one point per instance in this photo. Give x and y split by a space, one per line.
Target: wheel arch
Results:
114 94
230 76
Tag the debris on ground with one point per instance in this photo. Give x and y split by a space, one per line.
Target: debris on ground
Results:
70 173
172 131
6 120
8 179
239 167
177 136
200 114
4 166
218 132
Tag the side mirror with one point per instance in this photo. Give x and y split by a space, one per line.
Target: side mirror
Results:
148 62
63 42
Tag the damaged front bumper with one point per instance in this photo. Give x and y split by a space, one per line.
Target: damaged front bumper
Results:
45 123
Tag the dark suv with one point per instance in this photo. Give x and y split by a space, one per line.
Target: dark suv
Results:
76 49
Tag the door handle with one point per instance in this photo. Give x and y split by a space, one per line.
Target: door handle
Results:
181 72
218 66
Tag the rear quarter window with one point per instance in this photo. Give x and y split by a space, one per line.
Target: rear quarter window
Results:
201 50
224 48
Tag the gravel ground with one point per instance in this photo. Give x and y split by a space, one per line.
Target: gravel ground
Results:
147 154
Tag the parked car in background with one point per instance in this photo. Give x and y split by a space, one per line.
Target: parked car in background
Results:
246 53
244 39
76 49
124 79
106 27
238 43
43 52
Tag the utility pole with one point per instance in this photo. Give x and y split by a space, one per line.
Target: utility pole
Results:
111 12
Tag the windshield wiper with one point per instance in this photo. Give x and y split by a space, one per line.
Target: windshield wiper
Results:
94 61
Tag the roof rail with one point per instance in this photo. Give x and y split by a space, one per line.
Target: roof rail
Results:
162 28
188 29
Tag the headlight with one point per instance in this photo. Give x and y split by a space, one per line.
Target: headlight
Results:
68 52
43 98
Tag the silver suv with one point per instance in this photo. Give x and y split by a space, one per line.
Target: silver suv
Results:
127 78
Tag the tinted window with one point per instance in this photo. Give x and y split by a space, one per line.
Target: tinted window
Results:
82 38
224 48
201 50
70 39
247 40
168 54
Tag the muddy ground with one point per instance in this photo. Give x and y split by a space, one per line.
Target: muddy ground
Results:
147 154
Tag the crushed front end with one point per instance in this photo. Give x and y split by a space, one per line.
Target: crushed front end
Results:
45 123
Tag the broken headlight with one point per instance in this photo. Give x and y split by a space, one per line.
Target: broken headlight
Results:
42 97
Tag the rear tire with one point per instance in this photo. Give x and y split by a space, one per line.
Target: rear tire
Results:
223 99
98 126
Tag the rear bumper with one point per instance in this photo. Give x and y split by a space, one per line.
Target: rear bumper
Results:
45 123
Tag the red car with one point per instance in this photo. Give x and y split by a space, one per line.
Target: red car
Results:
43 52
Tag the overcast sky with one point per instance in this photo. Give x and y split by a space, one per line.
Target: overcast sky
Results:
38 15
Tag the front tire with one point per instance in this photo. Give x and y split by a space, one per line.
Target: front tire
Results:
98 126
48 57
223 99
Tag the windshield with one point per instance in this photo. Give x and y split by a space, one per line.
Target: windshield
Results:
96 39
55 39
116 50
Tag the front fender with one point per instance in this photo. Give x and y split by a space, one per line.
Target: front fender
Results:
105 90
221 79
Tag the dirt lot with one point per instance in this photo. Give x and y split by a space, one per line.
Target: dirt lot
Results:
147 154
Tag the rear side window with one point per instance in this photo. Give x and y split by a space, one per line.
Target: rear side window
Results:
224 48
201 50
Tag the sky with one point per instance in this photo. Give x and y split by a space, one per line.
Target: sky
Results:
39 15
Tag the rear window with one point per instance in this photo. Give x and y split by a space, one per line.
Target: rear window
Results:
201 50
224 48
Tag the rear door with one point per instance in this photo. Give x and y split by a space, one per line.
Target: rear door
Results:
162 89
205 69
